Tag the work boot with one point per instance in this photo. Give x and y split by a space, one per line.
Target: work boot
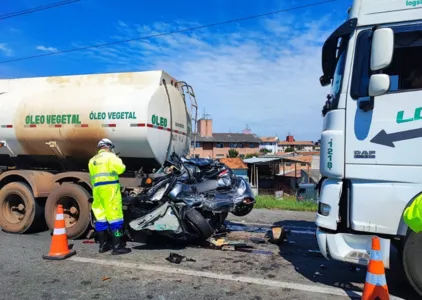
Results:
102 240
118 245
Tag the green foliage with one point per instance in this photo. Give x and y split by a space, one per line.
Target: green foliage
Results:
264 151
250 155
287 203
233 153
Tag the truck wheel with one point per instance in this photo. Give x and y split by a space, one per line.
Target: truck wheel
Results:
18 208
76 207
412 262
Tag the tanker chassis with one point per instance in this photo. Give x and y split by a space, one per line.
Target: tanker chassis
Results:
49 128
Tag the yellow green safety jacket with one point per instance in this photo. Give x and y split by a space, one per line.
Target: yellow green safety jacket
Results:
105 168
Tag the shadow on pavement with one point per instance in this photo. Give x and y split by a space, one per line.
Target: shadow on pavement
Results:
301 250
158 247
162 243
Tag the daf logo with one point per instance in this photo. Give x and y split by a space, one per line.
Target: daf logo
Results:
364 154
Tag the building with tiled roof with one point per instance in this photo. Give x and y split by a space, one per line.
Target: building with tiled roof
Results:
217 145
290 144
270 144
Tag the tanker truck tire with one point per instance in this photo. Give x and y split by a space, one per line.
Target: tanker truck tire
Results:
76 207
18 208
412 262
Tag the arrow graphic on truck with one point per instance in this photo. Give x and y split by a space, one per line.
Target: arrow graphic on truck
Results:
388 139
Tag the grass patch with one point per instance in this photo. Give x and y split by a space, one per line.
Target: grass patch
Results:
287 203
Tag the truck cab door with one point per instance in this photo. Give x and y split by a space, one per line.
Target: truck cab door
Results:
384 127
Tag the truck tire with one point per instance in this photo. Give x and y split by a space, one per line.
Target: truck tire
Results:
412 262
200 223
18 208
74 199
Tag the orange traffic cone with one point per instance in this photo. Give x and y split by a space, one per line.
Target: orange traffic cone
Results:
59 248
375 287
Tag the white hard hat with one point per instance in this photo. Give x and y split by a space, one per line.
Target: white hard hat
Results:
105 143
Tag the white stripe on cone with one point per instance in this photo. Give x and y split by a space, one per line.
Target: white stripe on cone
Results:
59 217
59 231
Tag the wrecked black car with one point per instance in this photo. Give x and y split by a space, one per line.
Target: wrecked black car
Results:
188 199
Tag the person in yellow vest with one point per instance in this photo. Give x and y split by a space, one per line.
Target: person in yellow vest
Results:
104 170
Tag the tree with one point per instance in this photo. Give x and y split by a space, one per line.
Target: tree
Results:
289 149
264 150
250 155
233 153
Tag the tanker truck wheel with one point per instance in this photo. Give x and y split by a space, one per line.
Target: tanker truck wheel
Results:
76 207
412 262
18 208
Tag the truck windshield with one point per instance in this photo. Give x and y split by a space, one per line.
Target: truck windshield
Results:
338 74
334 52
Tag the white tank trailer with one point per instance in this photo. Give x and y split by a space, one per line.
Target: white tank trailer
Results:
49 129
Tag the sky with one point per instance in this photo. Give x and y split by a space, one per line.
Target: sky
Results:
261 72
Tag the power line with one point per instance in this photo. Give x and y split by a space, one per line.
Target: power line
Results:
35 9
169 32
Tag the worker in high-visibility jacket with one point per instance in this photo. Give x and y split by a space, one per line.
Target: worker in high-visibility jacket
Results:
104 170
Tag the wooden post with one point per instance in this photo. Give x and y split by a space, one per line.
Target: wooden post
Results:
309 175
284 168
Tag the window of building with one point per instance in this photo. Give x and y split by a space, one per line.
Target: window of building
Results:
207 146
252 145
288 164
219 145
233 145
240 145
198 144
405 70
303 164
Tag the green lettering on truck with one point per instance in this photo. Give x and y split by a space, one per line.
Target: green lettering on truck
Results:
159 121
52 119
113 115
417 115
413 3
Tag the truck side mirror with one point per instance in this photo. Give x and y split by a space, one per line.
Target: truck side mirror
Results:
378 84
382 48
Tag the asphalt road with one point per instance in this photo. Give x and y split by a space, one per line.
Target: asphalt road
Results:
294 270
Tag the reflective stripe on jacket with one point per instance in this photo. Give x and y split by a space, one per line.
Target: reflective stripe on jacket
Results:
105 168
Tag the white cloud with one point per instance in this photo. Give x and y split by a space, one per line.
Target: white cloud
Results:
266 76
46 49
5 49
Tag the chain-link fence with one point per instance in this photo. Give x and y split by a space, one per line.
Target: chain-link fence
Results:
307 192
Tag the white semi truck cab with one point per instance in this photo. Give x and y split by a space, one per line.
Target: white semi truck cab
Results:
371 143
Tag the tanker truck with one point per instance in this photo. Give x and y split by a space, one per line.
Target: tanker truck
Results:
49 128
371 138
